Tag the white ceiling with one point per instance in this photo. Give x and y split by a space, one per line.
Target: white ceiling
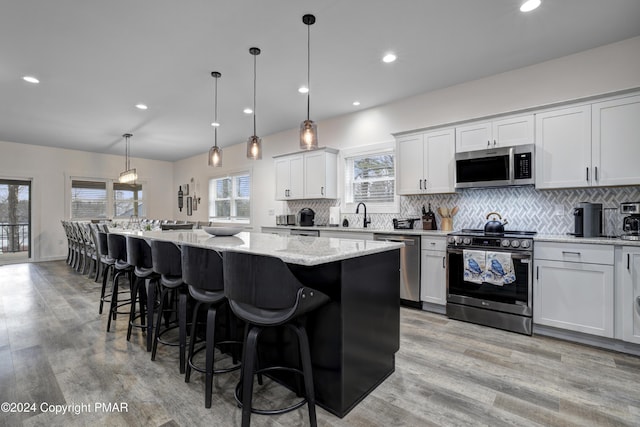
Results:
97 59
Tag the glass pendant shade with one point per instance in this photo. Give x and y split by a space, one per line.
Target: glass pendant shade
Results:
215 156
254 148
308 135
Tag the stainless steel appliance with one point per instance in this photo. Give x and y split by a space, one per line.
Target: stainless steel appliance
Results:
507 306
306 217
285 220
409 267
495 167
631 223
587 220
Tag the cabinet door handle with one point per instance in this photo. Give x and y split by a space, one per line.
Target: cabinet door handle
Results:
596 173
444 261
488 143
322 191
628 261
425 184
420 182
537 272
494 143
587 174
638 301
570 253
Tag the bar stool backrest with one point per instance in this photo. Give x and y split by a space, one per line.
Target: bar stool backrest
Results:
202 268
117 247
138 252
166 258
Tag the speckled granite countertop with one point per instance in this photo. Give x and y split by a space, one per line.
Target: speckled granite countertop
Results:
363 230
560 238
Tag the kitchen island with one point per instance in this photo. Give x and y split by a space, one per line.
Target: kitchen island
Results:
353 339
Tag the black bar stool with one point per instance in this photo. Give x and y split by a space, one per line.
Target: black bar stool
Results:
139 256
167 262
108 264
202 272
118 251
264 293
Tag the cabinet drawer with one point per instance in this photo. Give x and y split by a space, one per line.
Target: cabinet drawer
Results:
434 243
574 252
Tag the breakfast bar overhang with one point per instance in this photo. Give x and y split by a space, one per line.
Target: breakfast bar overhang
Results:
353 339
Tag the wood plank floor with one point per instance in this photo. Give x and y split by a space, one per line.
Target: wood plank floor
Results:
54 350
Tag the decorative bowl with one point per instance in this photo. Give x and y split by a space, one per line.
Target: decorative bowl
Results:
223 231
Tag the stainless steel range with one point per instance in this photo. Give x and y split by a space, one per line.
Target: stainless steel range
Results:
489 278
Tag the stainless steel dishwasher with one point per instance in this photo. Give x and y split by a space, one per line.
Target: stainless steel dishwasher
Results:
409 267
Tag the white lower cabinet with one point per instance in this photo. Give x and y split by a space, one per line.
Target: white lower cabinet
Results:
573 287
629 281
433 279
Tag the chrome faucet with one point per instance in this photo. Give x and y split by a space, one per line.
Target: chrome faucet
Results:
365 221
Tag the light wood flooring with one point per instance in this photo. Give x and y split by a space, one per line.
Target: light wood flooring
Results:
54 349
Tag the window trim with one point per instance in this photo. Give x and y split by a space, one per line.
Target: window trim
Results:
110 211
228 174
363 150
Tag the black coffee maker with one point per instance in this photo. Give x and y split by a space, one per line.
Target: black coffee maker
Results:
588 220
631 223
306 217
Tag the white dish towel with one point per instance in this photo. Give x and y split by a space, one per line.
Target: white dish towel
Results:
474 265
499 268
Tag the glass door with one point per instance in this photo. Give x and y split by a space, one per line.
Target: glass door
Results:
15 220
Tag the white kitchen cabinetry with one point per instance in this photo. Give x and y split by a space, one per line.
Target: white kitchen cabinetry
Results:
628 279
289 177
308 175
339 234
425 163
506 132
320 175
616 141
563 148
573 287
275 230
589 145
433 280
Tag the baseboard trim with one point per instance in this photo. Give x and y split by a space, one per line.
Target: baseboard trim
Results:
592 340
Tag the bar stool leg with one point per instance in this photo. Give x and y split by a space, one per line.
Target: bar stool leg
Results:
210 353
151 300
248 367
305 357
182 327
192 342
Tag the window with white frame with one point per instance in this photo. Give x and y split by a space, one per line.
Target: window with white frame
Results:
105 198
370 178
128 200
230 198
88 199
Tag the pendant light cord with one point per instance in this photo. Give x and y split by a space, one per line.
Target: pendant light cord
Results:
215 118
308 69
254 95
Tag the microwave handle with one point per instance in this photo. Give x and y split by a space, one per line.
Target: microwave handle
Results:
512 158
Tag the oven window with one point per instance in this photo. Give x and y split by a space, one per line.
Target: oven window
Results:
513 293
485 169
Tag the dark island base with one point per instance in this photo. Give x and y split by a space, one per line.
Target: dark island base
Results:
354 338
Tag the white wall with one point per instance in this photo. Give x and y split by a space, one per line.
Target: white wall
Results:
597 71
50 169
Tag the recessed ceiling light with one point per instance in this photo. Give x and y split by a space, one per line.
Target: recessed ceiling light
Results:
389 57
247 111
215 124
303 89
356 103
30 79
530 5
141 107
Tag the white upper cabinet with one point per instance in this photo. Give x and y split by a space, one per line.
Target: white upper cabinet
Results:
616 141
320 175
308 175
589 145
425 162
289 177
563 148
506 132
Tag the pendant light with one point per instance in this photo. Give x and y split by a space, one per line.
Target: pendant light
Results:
308 129
129 175
215 152
254 144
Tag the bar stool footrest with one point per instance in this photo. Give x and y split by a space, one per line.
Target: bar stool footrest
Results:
272 411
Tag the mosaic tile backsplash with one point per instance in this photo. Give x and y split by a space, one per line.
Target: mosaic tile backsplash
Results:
525 208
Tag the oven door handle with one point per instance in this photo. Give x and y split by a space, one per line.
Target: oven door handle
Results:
514 255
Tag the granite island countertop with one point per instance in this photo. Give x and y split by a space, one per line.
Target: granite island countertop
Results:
321 228
303 250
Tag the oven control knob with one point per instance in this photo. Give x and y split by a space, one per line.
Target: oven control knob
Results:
525 244
451 239
466 241
505 243
515 243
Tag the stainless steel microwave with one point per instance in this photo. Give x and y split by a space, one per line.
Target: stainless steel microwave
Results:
496 167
